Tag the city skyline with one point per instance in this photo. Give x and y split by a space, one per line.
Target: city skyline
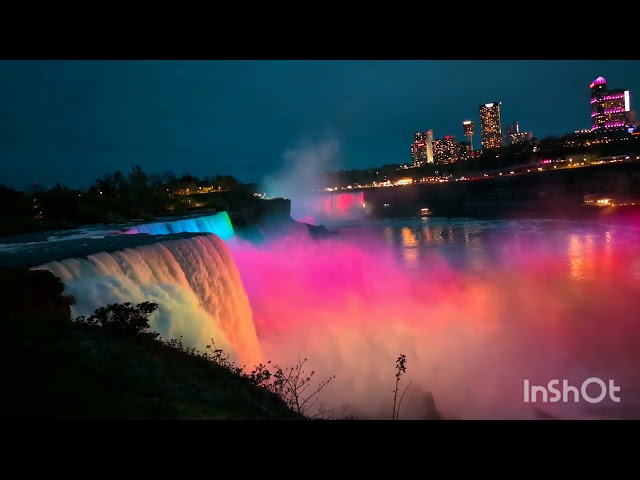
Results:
72 121
610 109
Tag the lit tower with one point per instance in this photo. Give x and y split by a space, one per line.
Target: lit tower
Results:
429 146
467 126
490 129
418 149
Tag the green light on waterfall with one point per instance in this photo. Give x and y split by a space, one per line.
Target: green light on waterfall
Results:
227 231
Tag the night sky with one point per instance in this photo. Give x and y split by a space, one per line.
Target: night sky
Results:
72 121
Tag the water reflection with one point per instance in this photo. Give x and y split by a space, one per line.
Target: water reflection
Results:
426 234
584 252
409 245
388 235
590 257
576 261
418 240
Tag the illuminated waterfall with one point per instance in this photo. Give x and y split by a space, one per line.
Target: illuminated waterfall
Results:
328 208
220 224
195 282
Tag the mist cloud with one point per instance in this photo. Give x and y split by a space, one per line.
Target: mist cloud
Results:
304 169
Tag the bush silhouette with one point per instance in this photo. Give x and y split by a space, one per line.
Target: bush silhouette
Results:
123 319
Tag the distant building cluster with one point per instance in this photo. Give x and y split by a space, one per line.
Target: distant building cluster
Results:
513 135
425 149
422 147
611 115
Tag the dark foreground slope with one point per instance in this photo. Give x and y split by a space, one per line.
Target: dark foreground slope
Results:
53 368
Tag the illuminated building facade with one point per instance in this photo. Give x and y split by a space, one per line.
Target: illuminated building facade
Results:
520 137
512 128
609 108
468 128
464 151
490 129
418 149
445 150
513 135
422 148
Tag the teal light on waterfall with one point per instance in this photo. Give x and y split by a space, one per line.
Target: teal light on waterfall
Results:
219 224
228 226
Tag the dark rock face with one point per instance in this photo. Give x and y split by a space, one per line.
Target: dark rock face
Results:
55 368
319 230
274 221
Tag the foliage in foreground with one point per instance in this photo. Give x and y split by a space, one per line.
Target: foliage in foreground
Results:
123 319
292 385
401 367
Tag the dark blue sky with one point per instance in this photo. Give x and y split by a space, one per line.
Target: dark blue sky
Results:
72 121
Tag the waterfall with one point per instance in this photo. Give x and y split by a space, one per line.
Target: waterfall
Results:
195 282
327 209
220 224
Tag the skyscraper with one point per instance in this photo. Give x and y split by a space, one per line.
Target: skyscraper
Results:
418 149
445 150
490 129
609 108
467 127
429 146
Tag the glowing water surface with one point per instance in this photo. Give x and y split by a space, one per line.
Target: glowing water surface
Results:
477 307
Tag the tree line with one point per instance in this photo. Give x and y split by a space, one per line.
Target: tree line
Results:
113 198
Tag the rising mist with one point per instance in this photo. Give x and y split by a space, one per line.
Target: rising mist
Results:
305 171
471 336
